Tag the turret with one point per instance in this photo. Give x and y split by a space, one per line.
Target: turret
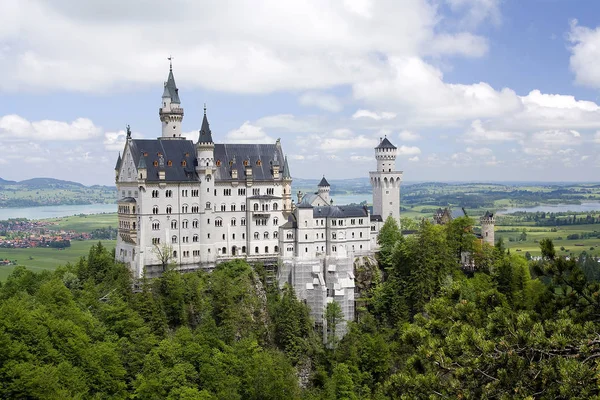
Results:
170 112
205 148
488 222
385 154
324 190
287 187
118 167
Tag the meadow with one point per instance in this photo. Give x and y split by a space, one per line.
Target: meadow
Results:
43 258
84 223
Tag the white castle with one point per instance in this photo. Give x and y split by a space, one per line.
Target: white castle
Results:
197 204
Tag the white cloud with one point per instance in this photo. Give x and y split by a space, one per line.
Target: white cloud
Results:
409 136
316 44
361 159
352 142
323 101
408 150
553 138
477 11
483 151
478 133
585 54
374 115
537 151
14 127
414 159
248 133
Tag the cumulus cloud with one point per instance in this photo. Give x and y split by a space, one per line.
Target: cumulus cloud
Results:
248 133
557 138
323 101
409 136
15 127
478 133
483 151
408 150
373 115
585 54
414 159
342 45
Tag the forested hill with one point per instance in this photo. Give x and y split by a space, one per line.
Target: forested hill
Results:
43 183
425 329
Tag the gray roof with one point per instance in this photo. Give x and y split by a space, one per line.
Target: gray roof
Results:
458 213
376 218
252 153
264 197
205 135
488 215
323 182
310 198
339 211
118 165
291 222
286 170
171 88
175 151
385 144
127 200
142 163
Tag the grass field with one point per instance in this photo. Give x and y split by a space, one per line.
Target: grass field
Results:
46 258
85 223
559 238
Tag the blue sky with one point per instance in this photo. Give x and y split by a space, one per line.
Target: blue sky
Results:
484 90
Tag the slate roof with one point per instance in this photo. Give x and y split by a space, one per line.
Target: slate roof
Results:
291 222
339 211
127 200
488 215
323 182
311 197
385 144
246 152
286 170
264 197
171 88
176 151
458 213
205 135
376 218
118 165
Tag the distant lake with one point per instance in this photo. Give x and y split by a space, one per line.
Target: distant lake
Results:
55 211
583 207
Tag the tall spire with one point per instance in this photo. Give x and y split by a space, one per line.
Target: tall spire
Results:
286 170
171 90
118 166
205 133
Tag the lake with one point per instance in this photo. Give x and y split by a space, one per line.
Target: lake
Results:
583 207
55 211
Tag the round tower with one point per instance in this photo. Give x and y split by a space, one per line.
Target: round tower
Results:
386 182
488 222
287 188
171 112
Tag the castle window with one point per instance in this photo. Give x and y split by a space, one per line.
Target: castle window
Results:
270 191
233 222
233 207
275 221
174 224
256 250
224 250
155 210
169 193
223 207
173 239
169 209
155 163
243 222
208 205
156 226
155 241
276 249
258 162
245 165
242 192
255 206
275 234
266 249
243 207
218 163
218 222
145 154
175 253
184 224
184 209
243 249
155 193
360 234
195 223
275 206
266 235
169 163
226 192
256 191
195 209
256 235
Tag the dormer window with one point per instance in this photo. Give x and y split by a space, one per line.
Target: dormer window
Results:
155 163
230 163
218 163
259 163
145 154
169 163
246 163
183 163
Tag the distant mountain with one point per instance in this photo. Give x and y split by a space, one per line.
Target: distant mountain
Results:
48 183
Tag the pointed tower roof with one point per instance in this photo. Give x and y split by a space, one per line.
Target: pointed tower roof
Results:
118 166
286 170
142 163
385 144
323 182
171 90
205 133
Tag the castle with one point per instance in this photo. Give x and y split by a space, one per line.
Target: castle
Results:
197 204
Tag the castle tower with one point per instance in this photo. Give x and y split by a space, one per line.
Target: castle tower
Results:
170 112
287 188
324 189
386 182
488 222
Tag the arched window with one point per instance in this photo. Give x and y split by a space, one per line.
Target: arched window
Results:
184 224
174 224
218 222
173 239
195 238
275 221
256 250
208 205
266 235
255 206
195 223
169 209
243 249
233 222
266 249
224 250
276 249
175 253
243 222
275 234
155 210
155 226
169 163
223 207
275 206
256 235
